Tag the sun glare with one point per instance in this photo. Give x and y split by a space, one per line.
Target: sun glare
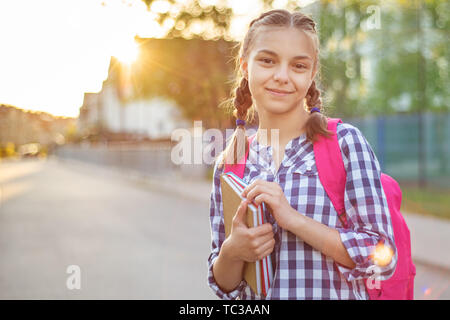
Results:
382 255
127 52
58 73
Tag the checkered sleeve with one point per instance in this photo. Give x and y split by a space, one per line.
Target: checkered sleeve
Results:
218 236
369 237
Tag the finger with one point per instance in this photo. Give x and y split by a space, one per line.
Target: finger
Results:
262 230
256 244
265 254
240 215
260 241
252 185
248 188
257 190
266 249
263 197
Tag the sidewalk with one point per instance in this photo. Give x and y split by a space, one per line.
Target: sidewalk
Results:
430 236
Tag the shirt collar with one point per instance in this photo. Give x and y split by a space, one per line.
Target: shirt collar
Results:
294 148
292 144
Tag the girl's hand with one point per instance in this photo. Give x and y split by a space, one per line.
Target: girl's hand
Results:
271 193
248 244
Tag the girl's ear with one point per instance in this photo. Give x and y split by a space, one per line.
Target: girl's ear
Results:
314 72
244 67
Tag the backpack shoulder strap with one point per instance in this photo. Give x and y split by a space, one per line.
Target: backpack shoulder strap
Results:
330 168
239 167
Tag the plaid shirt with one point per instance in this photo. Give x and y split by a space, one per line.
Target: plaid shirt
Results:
301 272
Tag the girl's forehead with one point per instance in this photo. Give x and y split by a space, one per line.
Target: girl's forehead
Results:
283 41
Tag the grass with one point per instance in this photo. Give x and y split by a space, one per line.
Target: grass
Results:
428 201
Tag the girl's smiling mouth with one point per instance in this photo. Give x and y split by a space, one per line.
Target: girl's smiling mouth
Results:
278 93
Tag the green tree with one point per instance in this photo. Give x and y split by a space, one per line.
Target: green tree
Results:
183 15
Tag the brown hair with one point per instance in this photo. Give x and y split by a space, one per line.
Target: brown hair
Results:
241 100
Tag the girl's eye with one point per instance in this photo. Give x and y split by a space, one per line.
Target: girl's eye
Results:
269 61
266 60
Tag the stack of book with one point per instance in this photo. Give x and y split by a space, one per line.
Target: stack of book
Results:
259 274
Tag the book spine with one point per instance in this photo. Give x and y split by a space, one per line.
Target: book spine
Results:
257 263
264 260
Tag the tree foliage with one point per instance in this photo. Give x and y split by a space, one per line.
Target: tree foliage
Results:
399 65
195 73
183 15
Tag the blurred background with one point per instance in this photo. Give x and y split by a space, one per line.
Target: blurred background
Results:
92 91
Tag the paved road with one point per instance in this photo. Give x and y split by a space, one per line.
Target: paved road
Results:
130 240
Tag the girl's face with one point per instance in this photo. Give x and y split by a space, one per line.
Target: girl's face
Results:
280 69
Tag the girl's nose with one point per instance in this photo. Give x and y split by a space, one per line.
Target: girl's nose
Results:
281 74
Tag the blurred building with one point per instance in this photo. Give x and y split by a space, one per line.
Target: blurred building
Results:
172 83
112 114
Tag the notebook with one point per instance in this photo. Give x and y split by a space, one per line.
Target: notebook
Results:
259 274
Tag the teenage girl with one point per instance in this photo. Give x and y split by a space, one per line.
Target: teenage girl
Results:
315 256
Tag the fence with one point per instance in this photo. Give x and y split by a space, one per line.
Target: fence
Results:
396 142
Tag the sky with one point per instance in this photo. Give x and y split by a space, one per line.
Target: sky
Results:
53 51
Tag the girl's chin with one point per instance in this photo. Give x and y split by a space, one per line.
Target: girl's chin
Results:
276 111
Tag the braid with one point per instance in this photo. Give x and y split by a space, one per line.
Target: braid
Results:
317 121
239 144
243 99
313 97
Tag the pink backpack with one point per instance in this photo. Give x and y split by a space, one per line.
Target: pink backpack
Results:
333 177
